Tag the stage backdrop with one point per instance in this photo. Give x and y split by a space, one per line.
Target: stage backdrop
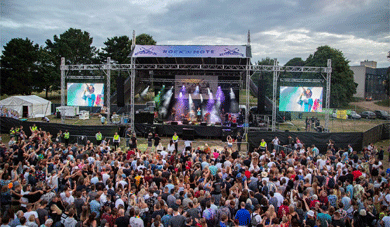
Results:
85 94
300 99
190 83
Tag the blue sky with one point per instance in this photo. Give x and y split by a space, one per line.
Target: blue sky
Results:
280 29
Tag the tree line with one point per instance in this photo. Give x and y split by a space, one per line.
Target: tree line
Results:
343 85
28 67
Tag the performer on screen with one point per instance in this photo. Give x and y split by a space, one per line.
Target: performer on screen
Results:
305 100
89 95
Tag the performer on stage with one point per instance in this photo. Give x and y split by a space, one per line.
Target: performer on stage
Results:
173 114
199 114
191 115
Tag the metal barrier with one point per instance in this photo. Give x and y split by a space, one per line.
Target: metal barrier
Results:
142 143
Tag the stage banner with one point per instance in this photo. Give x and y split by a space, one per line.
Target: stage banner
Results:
300 99
85 94
190 51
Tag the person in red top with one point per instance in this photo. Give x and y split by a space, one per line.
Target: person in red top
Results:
323 198
283 209
108 216
356 174
314 201
129 154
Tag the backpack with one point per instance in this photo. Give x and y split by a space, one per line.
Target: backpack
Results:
254 223
271 187
331 182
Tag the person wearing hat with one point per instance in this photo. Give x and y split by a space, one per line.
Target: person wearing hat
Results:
310 220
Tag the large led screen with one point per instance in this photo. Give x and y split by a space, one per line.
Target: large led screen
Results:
85 94
301 99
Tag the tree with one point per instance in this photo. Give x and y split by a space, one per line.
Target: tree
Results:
74 44
145 39
342 84
47 72
118 48
266 76
295 62
18 66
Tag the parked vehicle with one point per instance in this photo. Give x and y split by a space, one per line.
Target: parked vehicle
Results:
368 115
369 98
354 115
381 114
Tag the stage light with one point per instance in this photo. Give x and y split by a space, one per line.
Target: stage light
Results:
144 92
163 86
181 94
232 95
201 98
196 92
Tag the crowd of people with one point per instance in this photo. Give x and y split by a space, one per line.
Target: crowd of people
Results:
47 183
6 112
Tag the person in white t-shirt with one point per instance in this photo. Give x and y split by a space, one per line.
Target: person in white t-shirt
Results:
321 162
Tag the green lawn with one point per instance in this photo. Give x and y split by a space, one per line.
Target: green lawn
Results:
385 102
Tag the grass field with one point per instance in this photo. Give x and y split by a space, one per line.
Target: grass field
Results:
385 102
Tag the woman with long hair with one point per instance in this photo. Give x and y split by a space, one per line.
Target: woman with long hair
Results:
91 221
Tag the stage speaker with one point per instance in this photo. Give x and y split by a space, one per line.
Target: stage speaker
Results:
203 124
185 122
233 125
174 123
217 123
261 96
144 118
188 134
120 91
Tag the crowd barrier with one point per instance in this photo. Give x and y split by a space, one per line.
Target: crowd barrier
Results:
356 139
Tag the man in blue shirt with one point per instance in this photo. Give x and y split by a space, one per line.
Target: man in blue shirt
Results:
95 206
243 216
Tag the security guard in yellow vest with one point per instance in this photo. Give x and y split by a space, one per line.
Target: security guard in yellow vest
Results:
263 145
175 139
34 128
12 132
99 138
66 137
116 140
17 134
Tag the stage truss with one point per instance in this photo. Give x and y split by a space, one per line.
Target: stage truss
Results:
249 70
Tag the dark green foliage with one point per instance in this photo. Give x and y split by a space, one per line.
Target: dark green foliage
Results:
19 67
342 84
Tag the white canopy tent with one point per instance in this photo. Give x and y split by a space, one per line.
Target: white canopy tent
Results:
30 106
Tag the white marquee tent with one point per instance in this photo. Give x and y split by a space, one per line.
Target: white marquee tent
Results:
30 106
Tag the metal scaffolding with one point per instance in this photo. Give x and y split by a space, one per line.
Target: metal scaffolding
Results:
276 69
106 68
